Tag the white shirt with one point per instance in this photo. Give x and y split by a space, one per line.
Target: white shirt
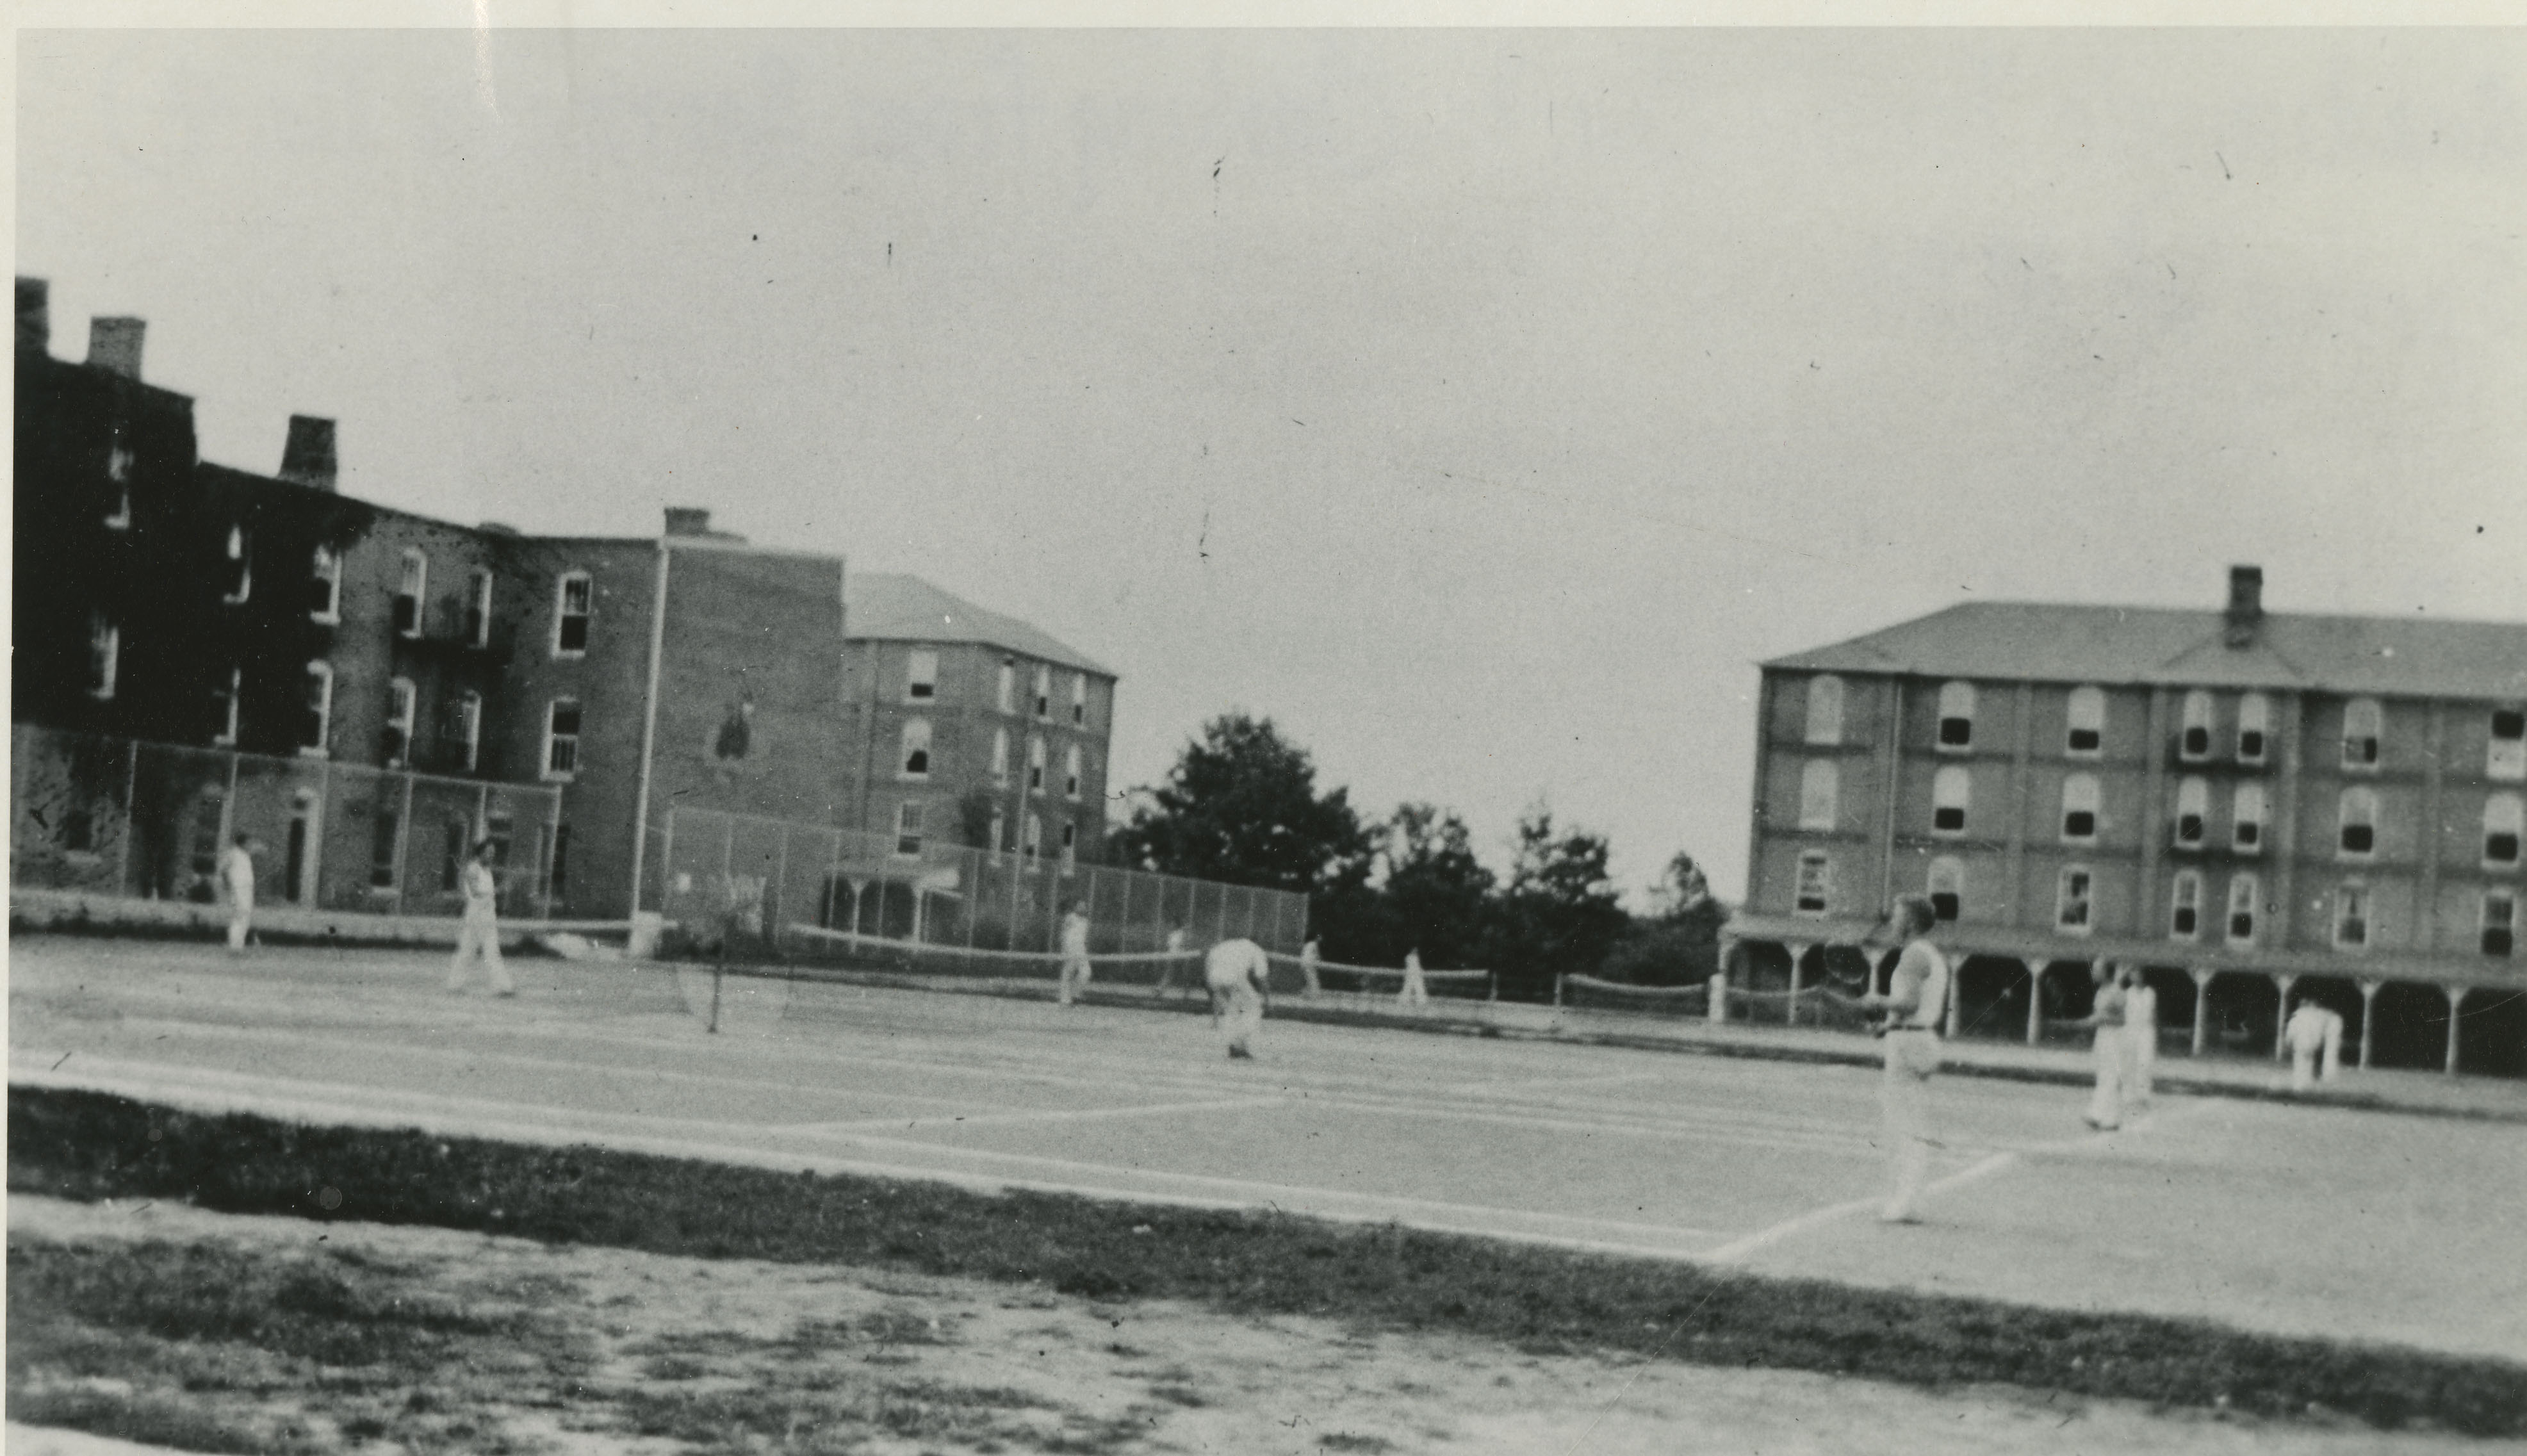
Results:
1924 972
1236 962
2306 1030
482 890
1074 934
237 867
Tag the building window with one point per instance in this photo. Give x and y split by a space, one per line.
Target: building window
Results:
2255 727
412 587
2184 905
237 568
1071 772
560 881
225 693
921 675
403 704
2194 740
1044 692
1820 794
2080 808
2358 815
316 730
384 840
1816 884
1825 710
2243 893
2504 815
561 739
1009 697
908 828
469 728
2087 738
574 601
1034 836
478 608
2192 807
1035 766
104 655
1951 790
917 748
999 756
1079 699
2499 921
325 587
2071 901
1948 887
118 474
2362 726
1000 831
1069 845
2247 819
2352 916
1956 716
2507 755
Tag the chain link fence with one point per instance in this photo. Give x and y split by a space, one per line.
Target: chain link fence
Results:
755 876
118 817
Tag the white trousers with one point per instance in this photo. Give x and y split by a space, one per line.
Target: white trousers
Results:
240 919
1074 978
2140 1065
1415 992
2106 1105
480 935
1904 1104
1238 1012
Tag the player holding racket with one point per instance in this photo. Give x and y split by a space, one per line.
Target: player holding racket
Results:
1239 975
1914 999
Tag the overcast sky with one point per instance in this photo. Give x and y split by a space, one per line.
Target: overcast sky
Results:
1479 405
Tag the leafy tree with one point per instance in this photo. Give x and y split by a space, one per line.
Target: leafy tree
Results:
1561 911
1679 943
1437 894
1241 806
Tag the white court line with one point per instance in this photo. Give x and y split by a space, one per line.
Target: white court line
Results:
1552 1084
1059 1115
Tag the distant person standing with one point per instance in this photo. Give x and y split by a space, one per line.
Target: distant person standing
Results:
1074 953
1239 975
2106 1013
2312 1032
236 879
1915 1003
480 934
2141 1040
1307 958
1417 991
1174 963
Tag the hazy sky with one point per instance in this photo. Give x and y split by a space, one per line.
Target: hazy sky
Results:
1480 405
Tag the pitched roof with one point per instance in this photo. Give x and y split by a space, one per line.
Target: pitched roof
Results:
2049 642
898 607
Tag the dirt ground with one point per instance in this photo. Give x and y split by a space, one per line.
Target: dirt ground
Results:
889 1362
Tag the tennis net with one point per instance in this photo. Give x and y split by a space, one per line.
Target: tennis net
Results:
1586 993
813 948
1342 978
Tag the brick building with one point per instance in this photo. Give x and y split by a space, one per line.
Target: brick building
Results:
2252 807
965 726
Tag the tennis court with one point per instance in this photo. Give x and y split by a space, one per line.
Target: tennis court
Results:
2299 1220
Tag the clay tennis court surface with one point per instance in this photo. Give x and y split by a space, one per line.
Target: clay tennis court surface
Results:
2289 1219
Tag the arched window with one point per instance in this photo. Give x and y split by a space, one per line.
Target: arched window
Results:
2247 819
2255 727
1951 790
1956 716
2363 724
2506 757
1070 771
2192 807
917 748
2504 817
2088 722
1008 685
999 759
2358 815
1044 692
325 587
1825 710
412 588
1079 698
1035 766
1820 794
2184 905
2194 742
1034 835
1948 887
2080 808
2244 892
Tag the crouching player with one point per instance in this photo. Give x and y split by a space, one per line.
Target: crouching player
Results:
1239 977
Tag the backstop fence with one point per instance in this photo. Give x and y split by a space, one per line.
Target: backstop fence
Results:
759 876
115 816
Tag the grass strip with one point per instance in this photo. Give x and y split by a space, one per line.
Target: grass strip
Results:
89 1146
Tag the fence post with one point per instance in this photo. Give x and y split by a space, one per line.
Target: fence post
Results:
779 910
130 814
1491 989
403 845
1557 989
666 862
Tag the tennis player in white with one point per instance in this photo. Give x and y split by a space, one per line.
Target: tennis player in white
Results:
1917 997
1239 975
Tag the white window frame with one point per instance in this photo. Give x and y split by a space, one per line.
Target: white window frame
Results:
1940 783
226 735
2504 814
469 727
1070 774
1956 704
2075 889
2355 917
2249 889
241 557
412 580
2362 750
1814 881
325 567
2505 754
2185 897
2081 793
2085 713
1947 877
104 655
999 756
2255 717
1035 764
586 616
2248 806
1824 727
1070 843
321 672
1043 694
559 746
914 744
1079 699
1819 795
2355 808
909 825
1034 843
921 675
477 603
118 473
1009 686
403 710
2195 727
2505 925
2193 811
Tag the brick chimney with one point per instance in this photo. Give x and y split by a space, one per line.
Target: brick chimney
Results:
114 344
35 316
308 458
2245 614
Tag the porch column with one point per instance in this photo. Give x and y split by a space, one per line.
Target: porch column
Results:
2202 975
2034 1001
2457 1004
1956 1011
1798 953
1717 1012
2368 1017
2280 1015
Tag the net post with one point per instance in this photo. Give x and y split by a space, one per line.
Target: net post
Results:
1557 989
1491 985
